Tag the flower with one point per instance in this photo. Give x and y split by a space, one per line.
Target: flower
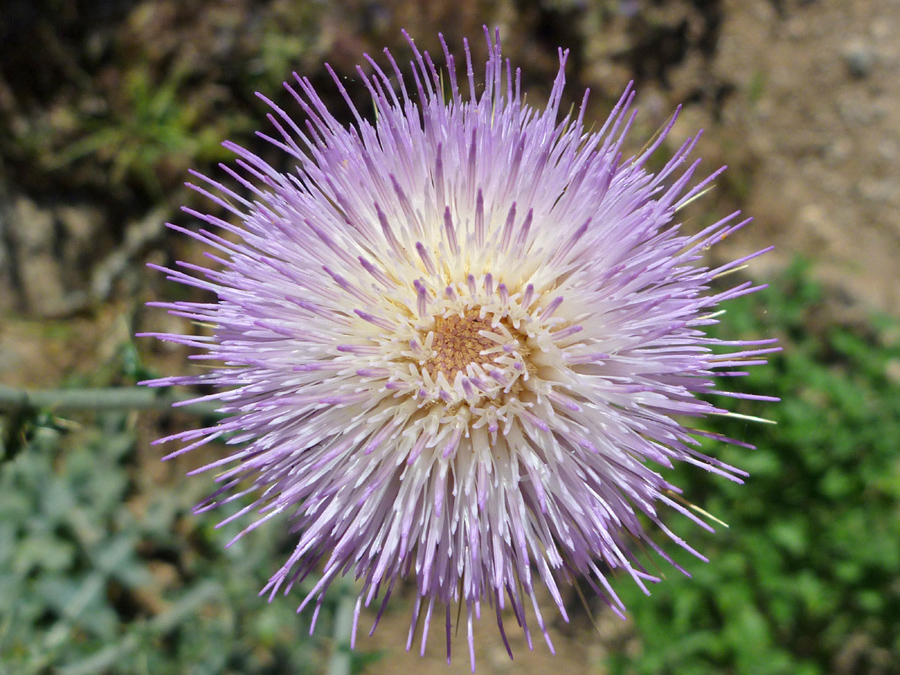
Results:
458 343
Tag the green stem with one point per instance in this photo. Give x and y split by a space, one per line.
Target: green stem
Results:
98 400
339 663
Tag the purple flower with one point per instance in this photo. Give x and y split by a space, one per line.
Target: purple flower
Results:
458 344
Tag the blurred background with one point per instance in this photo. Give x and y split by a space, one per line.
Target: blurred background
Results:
105 105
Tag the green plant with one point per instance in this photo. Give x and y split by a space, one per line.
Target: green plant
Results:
805 579
98 574
150 133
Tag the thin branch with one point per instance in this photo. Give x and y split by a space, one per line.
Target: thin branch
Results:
97 400
339 663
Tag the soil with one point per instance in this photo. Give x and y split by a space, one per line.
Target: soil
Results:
801 99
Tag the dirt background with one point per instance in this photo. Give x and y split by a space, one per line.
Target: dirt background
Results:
105 104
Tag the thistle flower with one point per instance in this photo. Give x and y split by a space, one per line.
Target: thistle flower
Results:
457 344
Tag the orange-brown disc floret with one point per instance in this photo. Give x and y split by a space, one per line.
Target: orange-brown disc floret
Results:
457 343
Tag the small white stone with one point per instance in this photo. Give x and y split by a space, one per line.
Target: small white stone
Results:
859 59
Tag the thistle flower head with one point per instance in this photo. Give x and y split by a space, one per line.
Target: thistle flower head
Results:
458 343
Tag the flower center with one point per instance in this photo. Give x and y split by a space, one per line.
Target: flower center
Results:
473 344
457 343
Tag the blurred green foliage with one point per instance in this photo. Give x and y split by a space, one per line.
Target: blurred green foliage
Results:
96 577
806 580
150 130
125 100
